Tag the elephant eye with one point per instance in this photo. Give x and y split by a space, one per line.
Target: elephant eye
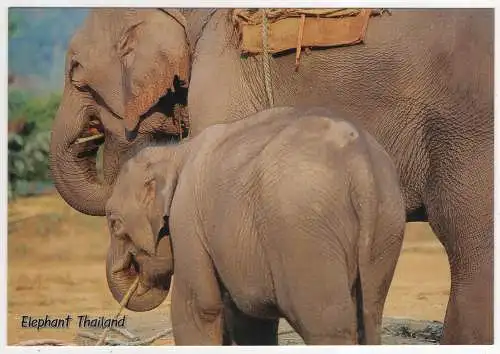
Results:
76 74
117 229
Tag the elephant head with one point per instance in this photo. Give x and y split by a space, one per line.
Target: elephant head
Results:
137 214
122 66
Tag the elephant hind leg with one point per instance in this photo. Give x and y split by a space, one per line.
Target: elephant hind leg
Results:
332 325
326 315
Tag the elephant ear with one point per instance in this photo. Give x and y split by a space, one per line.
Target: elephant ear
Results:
153 52
167 192
160 185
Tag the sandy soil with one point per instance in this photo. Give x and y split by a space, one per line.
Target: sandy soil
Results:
56 267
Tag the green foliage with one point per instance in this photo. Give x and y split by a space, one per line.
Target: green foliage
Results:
27 162
39 110
16 102
28 149
38 39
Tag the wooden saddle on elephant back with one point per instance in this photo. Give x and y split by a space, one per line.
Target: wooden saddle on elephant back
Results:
287 29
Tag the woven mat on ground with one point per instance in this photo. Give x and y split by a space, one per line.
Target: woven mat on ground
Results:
299 28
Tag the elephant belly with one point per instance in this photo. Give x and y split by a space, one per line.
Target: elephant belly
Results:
248 280
254 302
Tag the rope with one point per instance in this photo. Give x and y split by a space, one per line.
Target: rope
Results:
266 60
124 301
299 41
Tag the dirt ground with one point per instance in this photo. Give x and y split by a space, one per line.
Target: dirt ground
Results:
56 268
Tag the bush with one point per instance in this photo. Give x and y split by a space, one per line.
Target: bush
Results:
29 142
27 162
39 110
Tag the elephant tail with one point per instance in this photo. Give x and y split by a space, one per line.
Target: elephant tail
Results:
365 201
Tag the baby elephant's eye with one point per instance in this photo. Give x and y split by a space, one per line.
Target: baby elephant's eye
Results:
117 229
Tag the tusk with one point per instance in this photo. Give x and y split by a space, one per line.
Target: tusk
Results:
89 138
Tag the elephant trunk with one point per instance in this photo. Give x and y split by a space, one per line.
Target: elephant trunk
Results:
154 272
73 166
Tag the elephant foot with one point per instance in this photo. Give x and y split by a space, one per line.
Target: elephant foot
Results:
469 315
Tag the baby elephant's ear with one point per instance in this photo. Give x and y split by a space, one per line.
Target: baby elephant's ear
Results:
167 182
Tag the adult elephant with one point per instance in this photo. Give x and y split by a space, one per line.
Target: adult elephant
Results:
98 67
423 83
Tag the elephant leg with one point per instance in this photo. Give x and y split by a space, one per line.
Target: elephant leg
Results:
197 307
247 330
377 280
460 213
334 324
379 273
197 318
322 315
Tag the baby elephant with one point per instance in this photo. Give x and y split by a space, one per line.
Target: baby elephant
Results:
292 212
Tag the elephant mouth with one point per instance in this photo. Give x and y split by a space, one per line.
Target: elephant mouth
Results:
154 271
132 269
92 135
129 267
137 266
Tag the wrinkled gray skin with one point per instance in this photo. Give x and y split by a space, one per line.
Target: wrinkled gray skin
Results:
291 213
421 84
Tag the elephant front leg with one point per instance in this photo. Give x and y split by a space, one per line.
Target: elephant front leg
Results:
463 220
197 308
197 316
